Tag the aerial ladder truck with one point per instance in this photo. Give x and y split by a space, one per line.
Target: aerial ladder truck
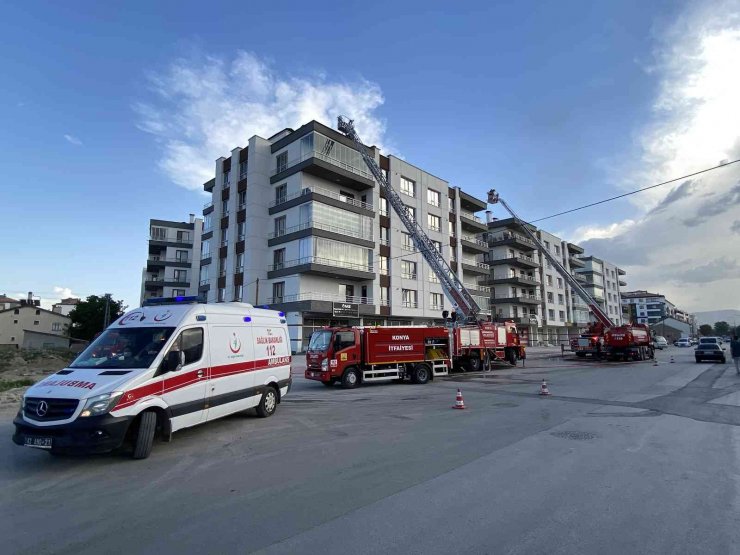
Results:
602 337
355 355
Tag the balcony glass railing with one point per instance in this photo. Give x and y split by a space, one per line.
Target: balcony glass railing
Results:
507 235
473 262
354 168
323 226
321 191
168 259
170 239
471 216
515 257
324 262
476 240
207 205
310 296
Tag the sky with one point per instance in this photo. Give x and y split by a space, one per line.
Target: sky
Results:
113 115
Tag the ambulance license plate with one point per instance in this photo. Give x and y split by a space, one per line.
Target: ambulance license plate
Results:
38 442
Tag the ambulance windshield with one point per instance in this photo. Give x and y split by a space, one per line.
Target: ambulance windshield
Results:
320 341
124 348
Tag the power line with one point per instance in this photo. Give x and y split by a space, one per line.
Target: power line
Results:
635 191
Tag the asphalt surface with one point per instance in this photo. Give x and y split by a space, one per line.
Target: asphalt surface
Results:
621 458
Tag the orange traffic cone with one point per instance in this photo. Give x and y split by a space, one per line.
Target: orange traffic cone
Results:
543 388
459 403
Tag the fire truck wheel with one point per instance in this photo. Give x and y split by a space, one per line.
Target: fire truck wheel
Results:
473 363
268 403
421 374
511 357
145 435
350 378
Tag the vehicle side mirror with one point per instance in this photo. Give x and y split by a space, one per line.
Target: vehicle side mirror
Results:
173 361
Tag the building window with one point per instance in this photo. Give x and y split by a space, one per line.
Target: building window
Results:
433 197
56 326
436 301
281 193
551 314
181 276
38 312
561 316
560 283
278 259
205 249
240 263
433 278
408 269
409 298
241 229
181 256
15 321
178 292
35 322
547 245
278 291
549 279
281 162
279 225
16 311
383 265
385 235
383 209
434 222
242 199
411 211
221 267
406 242
561 299
408 187
204 271
451 227
159 233
557 250
243 169
384 299
227 179
238 291
221 294
550 298
437 245
224 207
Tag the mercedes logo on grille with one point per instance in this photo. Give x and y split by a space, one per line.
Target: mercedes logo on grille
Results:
42 408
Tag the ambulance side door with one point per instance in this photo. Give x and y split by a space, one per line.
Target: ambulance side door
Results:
231 380
184 387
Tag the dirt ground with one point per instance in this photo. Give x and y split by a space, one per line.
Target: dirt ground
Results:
29 367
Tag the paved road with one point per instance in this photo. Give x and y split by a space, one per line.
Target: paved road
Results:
622 458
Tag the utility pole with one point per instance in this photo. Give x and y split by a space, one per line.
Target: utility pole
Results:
106 317
257 293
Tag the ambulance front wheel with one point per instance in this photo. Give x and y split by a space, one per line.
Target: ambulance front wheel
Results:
350 378
268 403
145 435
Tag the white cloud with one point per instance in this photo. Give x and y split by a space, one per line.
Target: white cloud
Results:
206 106
73 140
680 239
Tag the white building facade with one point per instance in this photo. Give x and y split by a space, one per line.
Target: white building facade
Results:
173 260
297 222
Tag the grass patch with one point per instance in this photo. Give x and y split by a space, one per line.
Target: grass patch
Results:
12 384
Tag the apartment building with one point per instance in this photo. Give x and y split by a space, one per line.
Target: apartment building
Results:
603 281
65 306
644 307
173 260
297 222
28 326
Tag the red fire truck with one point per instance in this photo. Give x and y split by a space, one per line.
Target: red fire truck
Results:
629 341
590 342
369 354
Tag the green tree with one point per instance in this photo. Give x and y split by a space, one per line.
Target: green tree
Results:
88 316
721 328
705 329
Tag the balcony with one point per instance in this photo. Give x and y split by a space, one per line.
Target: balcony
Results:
576 262
323 267
515 279
509 238
162 261
208 208
165 240
294 232
472 243
575 249
469 202
472 222
517 299
519 260
622 283
350 175
472 265
476 288
327 196
310 296
165 282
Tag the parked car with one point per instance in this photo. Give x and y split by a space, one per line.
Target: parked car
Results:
710 351
660 342
694 341
683 342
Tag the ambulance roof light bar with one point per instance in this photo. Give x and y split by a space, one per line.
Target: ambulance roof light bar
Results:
155 301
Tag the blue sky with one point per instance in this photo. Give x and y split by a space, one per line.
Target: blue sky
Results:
107 117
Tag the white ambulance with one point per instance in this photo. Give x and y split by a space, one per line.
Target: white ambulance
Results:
172 364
